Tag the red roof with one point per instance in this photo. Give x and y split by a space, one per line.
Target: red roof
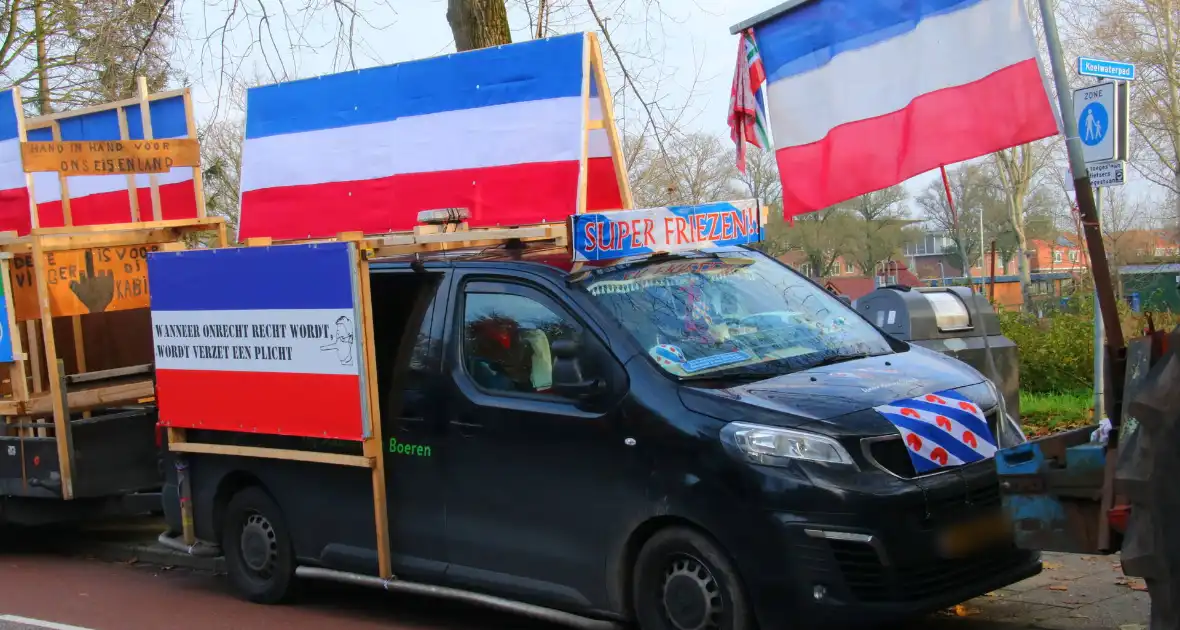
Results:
853 287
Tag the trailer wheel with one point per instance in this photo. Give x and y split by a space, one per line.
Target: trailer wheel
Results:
683 581
259 557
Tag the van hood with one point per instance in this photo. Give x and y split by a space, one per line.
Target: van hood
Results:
821 395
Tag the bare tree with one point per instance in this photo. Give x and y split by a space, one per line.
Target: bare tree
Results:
974 193
761 176
877 233
694 168
1019 172
821 236
221 163
479 23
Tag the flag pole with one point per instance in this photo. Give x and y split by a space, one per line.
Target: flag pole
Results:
950 202
1088 212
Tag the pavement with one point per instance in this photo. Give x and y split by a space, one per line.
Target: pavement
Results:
124 581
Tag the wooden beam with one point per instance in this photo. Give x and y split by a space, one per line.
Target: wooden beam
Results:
145 112
56 396
198 177
117 239
584 152
95 397
102 375
132 188
63 183
189 225
316 457
18 371
374 446
258 241
608 118
40 122
22 136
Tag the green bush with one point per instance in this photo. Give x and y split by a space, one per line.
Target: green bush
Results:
1057 350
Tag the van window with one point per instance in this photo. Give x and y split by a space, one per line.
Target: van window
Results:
733 311
507 341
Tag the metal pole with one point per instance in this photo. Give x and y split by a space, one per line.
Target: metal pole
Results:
1115 344
1099 335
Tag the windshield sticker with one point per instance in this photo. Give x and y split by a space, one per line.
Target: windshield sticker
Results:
717 360
940 430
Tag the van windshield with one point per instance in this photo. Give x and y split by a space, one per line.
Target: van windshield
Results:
736 312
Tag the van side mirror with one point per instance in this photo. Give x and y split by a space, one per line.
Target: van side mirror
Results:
568 380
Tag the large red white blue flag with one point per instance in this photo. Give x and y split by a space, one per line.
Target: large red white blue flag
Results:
14 193
864 94
99 199
259 339
497 131
941 429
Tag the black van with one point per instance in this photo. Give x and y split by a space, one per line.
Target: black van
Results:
686 441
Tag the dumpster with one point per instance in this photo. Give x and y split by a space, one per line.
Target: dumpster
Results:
943 319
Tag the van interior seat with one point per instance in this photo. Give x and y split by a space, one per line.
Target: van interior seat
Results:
542 368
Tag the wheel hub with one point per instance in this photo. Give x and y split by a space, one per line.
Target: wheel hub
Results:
692 598
259 545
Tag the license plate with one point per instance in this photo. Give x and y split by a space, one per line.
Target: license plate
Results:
972 536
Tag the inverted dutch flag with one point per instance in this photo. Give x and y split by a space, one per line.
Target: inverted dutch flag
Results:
497 131
258 340
14 193
97 199
941 429
864 94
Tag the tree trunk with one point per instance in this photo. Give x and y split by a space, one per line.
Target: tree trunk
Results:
44 103
478 23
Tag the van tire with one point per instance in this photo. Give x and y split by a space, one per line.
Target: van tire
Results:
259 557
682 576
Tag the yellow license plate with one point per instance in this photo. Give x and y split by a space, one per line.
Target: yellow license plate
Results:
974 535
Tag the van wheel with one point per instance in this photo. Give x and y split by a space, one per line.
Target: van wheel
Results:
259 558
683 581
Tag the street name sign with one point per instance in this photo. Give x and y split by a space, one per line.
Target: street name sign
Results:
1105 69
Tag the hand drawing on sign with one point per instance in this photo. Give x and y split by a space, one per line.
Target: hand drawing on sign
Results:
94 290
343 340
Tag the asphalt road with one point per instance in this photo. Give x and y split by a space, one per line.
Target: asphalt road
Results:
44 586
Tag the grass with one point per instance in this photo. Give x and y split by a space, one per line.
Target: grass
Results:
1043 414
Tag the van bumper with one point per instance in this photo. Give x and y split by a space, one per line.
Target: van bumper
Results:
843 576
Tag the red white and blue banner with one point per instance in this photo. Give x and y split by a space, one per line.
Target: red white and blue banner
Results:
497 131
608 235
259 339
865 94
14 191
99 199
941 429
747 100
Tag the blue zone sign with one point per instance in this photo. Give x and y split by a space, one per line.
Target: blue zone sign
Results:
623 233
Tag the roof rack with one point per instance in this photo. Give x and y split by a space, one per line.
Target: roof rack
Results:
434 238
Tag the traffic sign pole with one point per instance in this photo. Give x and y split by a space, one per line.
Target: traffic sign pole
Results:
1099 266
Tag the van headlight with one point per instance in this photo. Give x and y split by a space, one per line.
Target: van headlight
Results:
774 446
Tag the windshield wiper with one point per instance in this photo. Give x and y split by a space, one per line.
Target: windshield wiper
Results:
730 376
840 358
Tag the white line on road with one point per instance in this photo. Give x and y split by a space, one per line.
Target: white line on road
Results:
38 623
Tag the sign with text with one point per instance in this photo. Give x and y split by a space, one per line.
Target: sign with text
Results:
83 281
1112 173
114 157
1096 108
1105 69
260 339
637 232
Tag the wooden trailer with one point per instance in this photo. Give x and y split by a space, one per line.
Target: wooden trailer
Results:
77 420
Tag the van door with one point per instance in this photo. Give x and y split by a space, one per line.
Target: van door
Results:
535 483
413 429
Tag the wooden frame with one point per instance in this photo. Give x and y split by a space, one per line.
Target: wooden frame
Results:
593 71
136 383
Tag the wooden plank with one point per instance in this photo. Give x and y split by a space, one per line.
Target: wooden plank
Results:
22 136
64 185
45 120
198 177
188 225
316 457
34 355
223 235
545 231
608 117
584 152
117 239
132 188
17 371
114 157
595 124
102 375
374 445
145 112
94 398
258 241
56 397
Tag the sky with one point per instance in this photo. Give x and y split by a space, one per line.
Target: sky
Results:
685 55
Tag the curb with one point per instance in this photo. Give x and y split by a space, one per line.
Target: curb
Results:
151 553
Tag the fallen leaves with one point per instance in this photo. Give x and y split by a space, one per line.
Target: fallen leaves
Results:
1059 587
963 611
1050 566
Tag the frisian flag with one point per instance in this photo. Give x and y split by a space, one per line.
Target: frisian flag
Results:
747 109
14 192
865 94
941 429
